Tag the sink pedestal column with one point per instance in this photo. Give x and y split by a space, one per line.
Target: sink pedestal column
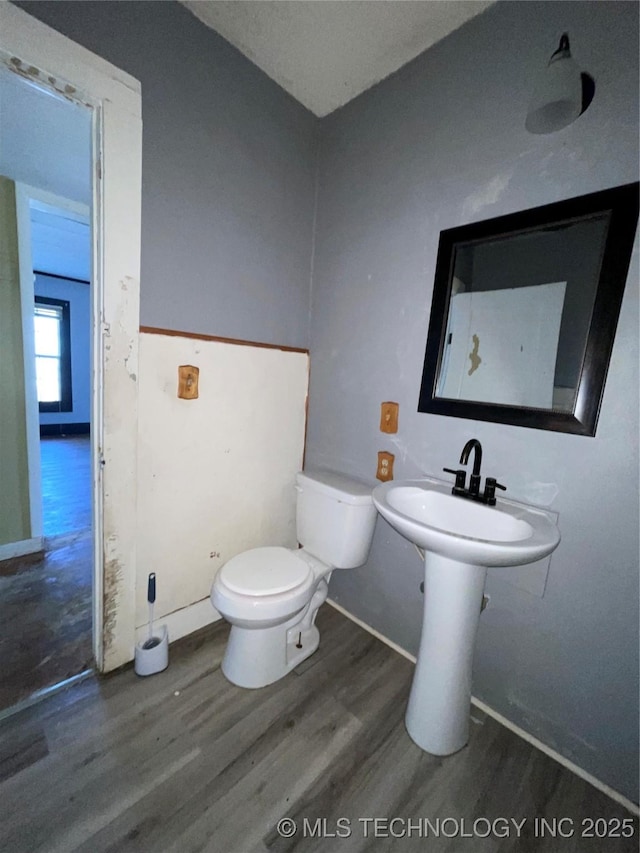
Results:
437 716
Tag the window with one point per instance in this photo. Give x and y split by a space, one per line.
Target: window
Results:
53 354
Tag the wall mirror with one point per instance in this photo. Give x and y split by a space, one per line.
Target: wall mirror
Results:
524 313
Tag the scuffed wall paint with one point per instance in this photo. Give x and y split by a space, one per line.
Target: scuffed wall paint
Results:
119 472
112 578
485 196
31 74
118 442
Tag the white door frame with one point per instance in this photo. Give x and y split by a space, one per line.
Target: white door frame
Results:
47 59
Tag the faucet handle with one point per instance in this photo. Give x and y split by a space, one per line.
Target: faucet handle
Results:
490 486
461 476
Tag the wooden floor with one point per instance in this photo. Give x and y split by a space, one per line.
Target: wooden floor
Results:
66 483
46 598
183 761
45 617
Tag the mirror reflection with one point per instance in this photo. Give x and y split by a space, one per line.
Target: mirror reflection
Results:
519 314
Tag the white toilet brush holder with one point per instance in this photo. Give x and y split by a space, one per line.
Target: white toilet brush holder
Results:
152 654
154 658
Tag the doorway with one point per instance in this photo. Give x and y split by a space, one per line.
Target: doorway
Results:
65 73
46 555
60 239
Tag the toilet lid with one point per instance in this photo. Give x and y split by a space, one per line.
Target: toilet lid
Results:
264 571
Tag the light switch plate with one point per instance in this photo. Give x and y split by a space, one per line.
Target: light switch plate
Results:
188 381
389 417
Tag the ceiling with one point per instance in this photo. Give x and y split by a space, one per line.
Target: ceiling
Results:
46 140
46 143
60 244
326 52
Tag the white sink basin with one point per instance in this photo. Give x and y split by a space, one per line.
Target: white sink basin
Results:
461 540
426 513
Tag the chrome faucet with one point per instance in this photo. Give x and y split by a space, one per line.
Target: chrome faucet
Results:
473 492
474 481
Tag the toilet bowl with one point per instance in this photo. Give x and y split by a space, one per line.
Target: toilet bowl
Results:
271 595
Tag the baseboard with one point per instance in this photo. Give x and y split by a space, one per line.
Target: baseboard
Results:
64 429
377 634
538 744
184 621
21 549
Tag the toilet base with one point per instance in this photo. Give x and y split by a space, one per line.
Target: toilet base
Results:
255 658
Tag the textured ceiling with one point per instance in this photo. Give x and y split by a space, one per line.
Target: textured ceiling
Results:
325 52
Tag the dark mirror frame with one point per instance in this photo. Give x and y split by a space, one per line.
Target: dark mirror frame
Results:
621 204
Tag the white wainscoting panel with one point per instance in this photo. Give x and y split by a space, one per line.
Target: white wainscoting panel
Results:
216 474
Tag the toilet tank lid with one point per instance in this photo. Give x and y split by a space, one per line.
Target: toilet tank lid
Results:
339 486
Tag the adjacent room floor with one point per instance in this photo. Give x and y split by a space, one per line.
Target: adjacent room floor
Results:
45 599
184 761
66 484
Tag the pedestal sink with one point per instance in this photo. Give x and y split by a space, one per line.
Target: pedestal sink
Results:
461 539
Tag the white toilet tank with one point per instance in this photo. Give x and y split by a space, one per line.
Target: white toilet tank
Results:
335 518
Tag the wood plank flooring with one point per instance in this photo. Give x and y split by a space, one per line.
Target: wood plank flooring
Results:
66 483
45 617
45 598
184 761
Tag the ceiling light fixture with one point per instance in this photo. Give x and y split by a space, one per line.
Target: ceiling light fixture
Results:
562 94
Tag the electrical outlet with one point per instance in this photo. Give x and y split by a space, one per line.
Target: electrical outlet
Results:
389 417
188 382
385 466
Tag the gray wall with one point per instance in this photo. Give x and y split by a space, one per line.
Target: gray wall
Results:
439 144
228 173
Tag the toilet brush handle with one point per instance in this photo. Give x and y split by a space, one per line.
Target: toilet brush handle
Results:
151 597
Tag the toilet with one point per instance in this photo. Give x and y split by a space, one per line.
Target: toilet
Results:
271 595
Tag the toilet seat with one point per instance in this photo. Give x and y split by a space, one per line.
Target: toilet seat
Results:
265 571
